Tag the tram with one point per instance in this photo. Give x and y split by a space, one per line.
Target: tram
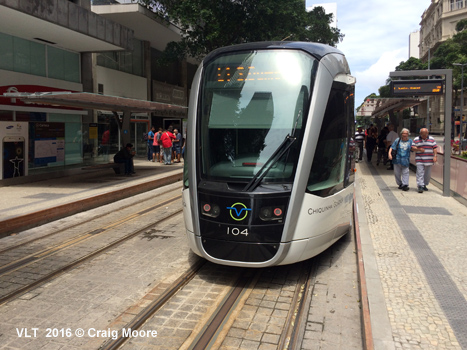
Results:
269 167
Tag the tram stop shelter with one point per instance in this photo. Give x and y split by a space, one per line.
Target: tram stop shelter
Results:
114 104
378 108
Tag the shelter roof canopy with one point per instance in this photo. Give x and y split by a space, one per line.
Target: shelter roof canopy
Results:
87 100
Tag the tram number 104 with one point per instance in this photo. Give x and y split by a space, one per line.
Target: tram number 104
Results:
236 231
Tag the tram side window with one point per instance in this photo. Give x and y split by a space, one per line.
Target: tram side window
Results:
328 168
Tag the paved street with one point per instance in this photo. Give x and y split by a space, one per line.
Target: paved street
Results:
414 249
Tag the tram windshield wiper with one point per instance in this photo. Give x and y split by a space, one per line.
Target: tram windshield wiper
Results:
278 153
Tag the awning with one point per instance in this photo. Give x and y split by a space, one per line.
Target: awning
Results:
87 100
380 107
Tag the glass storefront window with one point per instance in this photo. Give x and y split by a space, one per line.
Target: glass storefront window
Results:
6 53
6 115
73 137
30 57
131 62
63 65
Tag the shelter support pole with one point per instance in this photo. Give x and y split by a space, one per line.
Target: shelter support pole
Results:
125 132
447 134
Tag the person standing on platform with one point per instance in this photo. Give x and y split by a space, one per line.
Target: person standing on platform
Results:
370 142
382 149
177 146
392 136
156 146
424 158
166 140
150 144
359 138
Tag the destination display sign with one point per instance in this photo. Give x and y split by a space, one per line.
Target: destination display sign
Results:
417 87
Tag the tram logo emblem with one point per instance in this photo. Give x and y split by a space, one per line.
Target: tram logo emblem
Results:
238 211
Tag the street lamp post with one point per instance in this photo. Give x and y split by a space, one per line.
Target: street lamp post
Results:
462 105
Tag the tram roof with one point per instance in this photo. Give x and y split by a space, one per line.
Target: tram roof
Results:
315 49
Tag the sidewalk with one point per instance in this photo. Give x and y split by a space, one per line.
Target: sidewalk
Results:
414 258
26 205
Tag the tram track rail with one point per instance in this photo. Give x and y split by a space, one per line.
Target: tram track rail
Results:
214 330
68 227
67 267
80 238
23 222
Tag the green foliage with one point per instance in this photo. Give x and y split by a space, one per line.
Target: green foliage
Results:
461 25
207 25
412 64
385 91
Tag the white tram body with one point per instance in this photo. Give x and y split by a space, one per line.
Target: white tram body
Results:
269 166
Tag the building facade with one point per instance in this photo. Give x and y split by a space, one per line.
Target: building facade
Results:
137 74
62 46
437 25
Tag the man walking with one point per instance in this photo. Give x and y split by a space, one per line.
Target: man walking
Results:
424 158
359 138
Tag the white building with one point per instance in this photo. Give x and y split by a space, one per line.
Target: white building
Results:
414 41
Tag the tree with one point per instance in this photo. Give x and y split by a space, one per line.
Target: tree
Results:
207 25
412 64
385 91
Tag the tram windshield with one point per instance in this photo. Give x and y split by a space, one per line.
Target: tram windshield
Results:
250 102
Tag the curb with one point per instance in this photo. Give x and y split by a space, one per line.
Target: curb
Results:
23 222
366 319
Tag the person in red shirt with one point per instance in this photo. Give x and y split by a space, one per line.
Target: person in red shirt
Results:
166 141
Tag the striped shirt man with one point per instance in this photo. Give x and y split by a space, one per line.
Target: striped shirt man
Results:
429 145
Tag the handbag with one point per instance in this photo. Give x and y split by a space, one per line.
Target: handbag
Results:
394 151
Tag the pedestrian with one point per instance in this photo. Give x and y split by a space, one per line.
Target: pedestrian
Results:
159 154
402 147
382 149
166 140
105 144
392 136
125 155
177 145
156 146
150 143
359 139
424 158
370 141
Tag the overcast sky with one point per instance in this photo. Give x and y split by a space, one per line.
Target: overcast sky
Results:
376 37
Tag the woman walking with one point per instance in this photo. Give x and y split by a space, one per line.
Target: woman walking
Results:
401 159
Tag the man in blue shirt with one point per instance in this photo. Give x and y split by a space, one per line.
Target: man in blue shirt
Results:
151 155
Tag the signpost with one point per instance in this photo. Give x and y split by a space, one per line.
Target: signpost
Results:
417 87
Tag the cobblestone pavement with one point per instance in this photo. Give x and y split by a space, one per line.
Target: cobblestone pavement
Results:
94 296
419 247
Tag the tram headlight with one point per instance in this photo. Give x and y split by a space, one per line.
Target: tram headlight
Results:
211 210
271 213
